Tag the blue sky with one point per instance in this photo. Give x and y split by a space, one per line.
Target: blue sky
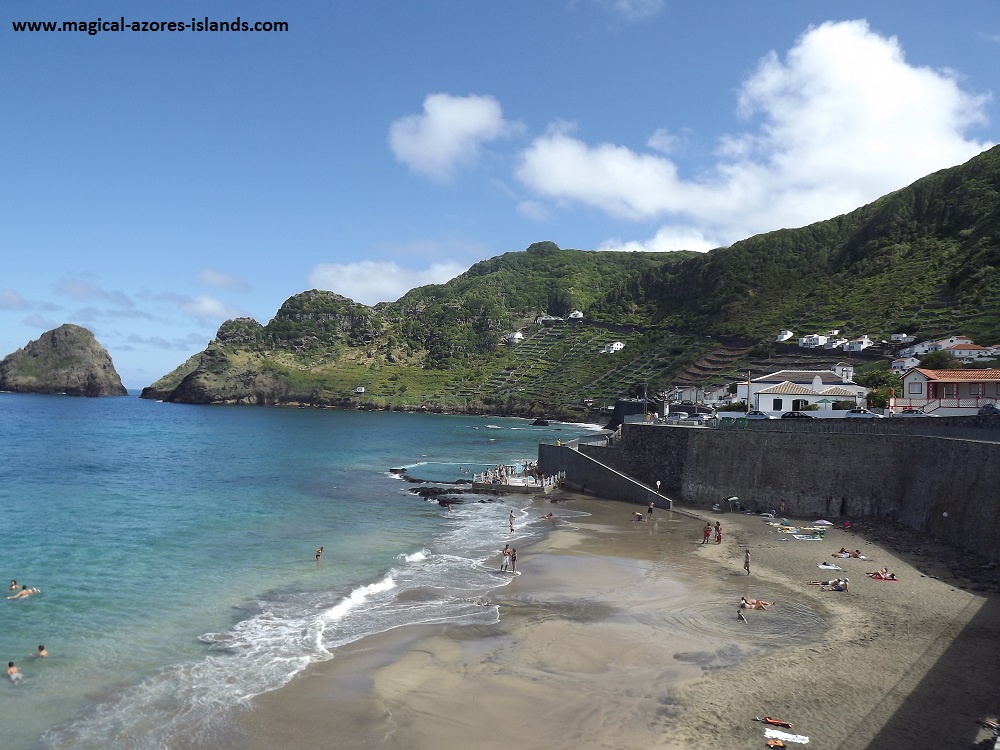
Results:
158 183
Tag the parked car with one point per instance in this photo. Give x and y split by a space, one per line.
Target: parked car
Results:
916 413
797 415
862 414
989 409
697 419
676 416
758 415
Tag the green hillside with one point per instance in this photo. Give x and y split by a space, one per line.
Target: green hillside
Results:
922 260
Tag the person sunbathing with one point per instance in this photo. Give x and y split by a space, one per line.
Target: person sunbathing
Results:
834 582
886 577
883 572
755 603
842 586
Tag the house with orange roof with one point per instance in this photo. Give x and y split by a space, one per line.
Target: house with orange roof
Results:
793 390
948 393
968 352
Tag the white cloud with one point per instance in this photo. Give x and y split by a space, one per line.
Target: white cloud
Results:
533 210
666 239
11 300
39 322
634 10
84 290
662 141
207 308
448 134
221 280
370 281
158 342
841 121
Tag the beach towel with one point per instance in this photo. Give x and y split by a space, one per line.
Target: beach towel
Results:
829 566
777 734
808 537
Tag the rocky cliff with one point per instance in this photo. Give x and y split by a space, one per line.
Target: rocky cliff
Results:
66 360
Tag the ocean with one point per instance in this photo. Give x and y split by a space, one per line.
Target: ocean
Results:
174 549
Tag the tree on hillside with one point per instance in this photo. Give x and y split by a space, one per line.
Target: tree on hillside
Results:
939 360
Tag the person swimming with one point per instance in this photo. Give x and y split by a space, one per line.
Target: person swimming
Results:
14 673
24 592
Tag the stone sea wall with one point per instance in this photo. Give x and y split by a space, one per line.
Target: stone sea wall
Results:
945 486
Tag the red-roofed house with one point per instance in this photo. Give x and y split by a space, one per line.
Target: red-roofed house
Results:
968 352
948 392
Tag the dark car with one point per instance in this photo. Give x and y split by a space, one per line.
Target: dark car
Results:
989 409
915 414
797 415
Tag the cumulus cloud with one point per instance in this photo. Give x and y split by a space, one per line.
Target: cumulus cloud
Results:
448 134
39 322
842 120
534 210
634 10
206 308
371 281
221 280
11 300
85 291
159 342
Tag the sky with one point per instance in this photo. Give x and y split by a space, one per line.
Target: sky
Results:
157 183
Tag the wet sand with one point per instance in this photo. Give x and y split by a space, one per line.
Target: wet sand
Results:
620 634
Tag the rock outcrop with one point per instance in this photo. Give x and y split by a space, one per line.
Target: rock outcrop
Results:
66 360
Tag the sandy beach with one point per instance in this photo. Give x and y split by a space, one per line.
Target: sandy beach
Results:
620 634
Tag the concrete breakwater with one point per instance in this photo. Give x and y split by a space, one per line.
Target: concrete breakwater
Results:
945 486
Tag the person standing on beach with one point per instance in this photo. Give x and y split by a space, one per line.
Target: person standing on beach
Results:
505 561
718 532
513 561
746 562
707 531
649 512
511 519
319 553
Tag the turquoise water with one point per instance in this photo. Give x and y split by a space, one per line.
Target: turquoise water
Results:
174 547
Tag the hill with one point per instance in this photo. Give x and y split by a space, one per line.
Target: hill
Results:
66 360
923 260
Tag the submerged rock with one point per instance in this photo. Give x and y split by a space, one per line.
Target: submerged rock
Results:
67 360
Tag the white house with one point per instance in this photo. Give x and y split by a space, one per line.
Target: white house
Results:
836 343
950 341
857 345
943 344
359 389
543 319
834 332
784 336
901 338
615 346
575 315
904 363
516 337
791 390
948 392
968 352
813 340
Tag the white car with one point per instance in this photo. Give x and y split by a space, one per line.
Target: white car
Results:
915 413
697 419
862 414
759 415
